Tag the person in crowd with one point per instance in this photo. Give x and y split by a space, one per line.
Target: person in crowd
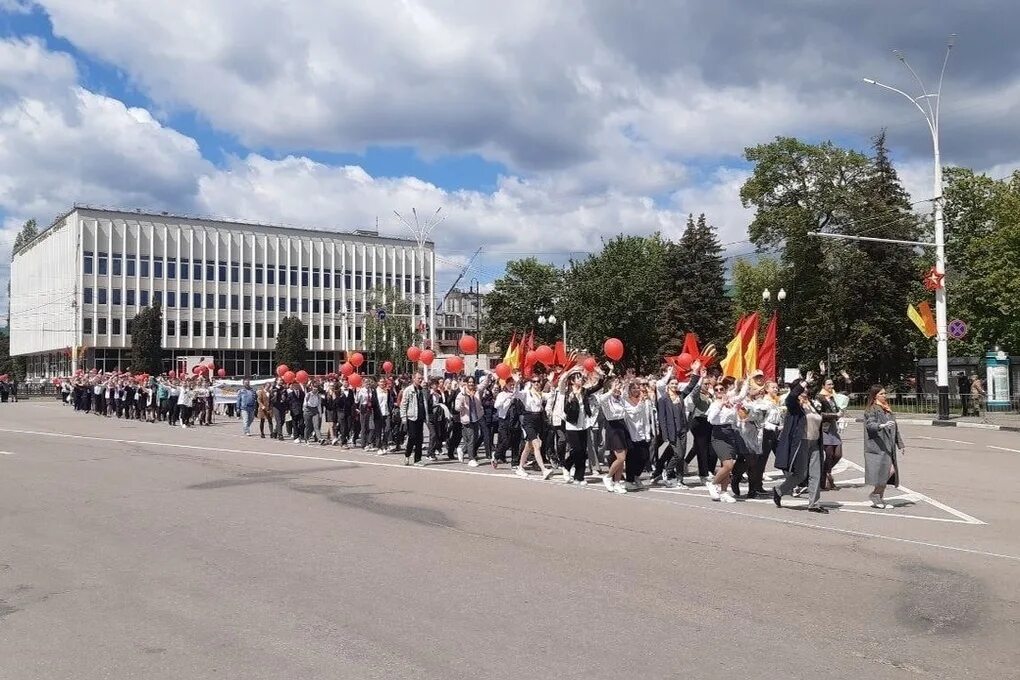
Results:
832 442
977 395
963 387
264 410
772 423
701 430
531 421
469 412
185 396
577 410
726 442
312 413
296 408
279 403
882 446
363 402
439 419
613 407
382 407
672 415
639 419
799 452
247 404
413 415
508 413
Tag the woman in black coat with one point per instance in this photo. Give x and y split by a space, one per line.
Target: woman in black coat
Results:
799 452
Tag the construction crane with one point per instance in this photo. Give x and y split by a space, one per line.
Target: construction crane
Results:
459 277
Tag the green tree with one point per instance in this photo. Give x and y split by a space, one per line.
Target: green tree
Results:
616 293
147 341
750 278
526 289
692 290
388 338
983 246
292 343
29 231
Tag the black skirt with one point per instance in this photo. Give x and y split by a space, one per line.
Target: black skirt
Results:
725 442
617 437
531 424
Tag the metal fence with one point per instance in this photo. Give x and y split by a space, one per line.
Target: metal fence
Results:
966 408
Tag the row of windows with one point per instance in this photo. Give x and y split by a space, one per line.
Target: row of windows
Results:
219 329
219 301
269 274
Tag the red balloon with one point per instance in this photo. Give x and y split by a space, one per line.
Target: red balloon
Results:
288 377
590 364
454 364
302 377
613 349
281 369
172 374
355 380
468 344
222 373
357 359
545 354
346 368
684 361
427 356
387 367
413 354
504 371
530 357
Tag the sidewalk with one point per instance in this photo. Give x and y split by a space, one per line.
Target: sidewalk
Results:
1002 420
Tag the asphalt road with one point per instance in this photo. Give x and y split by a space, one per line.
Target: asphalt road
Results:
130 550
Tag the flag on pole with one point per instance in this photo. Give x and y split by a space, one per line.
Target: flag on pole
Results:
767 355
915 316
733 364
508 358
929 319
749 338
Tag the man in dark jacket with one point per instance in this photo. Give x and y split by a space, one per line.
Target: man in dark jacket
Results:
672 413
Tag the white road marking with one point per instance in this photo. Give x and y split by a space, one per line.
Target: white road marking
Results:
400 466
931 501
1003 448
6 453
941 439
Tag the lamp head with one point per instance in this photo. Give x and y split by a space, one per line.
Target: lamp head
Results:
765 295
781 295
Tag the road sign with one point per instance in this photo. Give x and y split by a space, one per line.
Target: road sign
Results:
380 314
957 329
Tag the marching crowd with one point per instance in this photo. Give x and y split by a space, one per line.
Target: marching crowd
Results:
583 424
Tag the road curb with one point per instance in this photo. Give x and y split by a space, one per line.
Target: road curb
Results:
951 423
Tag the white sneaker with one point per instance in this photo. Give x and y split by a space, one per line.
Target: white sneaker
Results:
568 480
583 482
472 463
567 474
547 474
706 480
183 426
619 487
713 491
876 501
521 472
608 483
420 463
727 497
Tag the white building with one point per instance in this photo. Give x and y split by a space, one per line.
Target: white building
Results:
224 288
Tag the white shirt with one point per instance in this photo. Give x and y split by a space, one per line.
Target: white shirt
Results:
384 401
612 407
503 401
184 398
639 420
720 414
532 403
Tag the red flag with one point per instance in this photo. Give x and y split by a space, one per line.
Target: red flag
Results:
560 353
767 354
740 324
691 345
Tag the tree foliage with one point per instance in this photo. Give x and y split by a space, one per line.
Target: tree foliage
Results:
526 290
387 339
292 343
750 278
29 231
147 341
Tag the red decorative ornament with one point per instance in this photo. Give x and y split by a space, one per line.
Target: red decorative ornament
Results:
281 369
347 369
357 359
222 373
301 377
413 354
933 280
355 380
613 349
504 371
387 367
427 357
545 354
454 364
468 344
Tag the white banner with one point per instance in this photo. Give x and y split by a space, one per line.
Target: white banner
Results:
225 391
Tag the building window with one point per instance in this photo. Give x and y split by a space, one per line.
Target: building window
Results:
144 267
116 264
157 269
210 300
235 272
116 296
171 298
130 295
116 326
87 261
185 268
86 325
270 304
197 271
247 330
304 305
144 297
157 298
101 296
357 333
247 302
338 305
283 305
270 276
359 281
293 306
327 280
258 329
233 329
315 332
131 267
86 296
196 328
223 329
209 329
347 281
357 307
210 271
223 301
315 305
293 276
184 299
326 330
233 301
258 303
223 272
315 278
171 268
258 274
184 328
196 300
270 330
247 275
304 276
102 264
102 325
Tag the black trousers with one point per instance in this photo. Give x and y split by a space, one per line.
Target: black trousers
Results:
456 433
577 446
472 438
637 459
509 439
671 460
769 440
702 431
415 432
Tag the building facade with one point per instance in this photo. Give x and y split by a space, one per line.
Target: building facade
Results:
224 288
461 314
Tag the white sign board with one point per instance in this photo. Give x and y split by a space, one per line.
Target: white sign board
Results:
998 383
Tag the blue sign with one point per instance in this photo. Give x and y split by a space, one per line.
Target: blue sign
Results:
957 329
381 314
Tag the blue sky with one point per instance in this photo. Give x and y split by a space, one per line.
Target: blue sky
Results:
539 127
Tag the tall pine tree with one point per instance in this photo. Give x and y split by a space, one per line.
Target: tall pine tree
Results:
147 341
292 343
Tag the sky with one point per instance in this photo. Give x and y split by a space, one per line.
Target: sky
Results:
539 127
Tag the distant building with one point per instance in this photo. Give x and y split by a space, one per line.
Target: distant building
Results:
224 288
461 314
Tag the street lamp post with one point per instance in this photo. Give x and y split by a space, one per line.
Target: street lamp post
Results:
551 319
766 295
931 117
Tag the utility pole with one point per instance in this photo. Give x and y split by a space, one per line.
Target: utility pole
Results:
421 230
931 117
